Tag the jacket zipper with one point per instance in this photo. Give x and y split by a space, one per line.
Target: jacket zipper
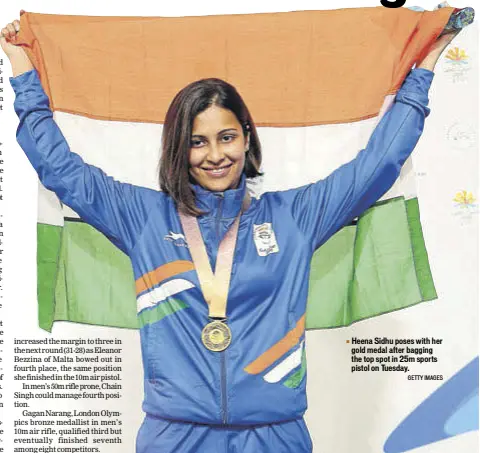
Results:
223 367
224 387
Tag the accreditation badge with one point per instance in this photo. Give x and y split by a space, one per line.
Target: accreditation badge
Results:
216 336
265 240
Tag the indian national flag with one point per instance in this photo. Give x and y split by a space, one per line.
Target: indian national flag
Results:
315 82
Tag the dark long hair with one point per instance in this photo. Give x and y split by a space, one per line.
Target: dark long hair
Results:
174 174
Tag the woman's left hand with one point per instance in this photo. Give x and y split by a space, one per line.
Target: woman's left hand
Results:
436 50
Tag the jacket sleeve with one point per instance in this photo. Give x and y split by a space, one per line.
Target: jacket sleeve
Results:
114 208
322 208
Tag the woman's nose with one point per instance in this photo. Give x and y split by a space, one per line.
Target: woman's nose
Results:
215 153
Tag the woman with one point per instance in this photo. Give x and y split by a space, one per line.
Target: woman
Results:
203 360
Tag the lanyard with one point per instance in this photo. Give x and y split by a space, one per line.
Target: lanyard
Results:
214 285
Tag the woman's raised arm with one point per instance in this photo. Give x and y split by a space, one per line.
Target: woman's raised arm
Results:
116 209
324 207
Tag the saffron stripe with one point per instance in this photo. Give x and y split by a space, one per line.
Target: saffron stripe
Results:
158 275
159 294
277 350
335 100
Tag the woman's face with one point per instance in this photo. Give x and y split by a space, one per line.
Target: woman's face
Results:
217 150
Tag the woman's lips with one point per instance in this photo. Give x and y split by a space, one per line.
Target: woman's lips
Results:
219 172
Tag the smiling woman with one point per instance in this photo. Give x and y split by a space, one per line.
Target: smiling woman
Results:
209 138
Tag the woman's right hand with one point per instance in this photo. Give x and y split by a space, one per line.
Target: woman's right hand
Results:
16 54
8 38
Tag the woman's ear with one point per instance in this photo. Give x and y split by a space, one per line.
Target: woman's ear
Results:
247 142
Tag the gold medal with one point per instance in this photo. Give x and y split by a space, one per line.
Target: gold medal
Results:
216 336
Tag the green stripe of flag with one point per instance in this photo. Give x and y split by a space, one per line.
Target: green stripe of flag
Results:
378 266
422 266
374 267
49 239
95 283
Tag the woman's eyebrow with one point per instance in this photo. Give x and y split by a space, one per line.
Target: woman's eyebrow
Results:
232 129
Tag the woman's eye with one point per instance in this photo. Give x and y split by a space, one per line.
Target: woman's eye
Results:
228 138
196 143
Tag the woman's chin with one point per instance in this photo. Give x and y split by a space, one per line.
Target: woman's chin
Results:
218 185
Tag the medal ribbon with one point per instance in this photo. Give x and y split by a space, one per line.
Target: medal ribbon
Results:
214 285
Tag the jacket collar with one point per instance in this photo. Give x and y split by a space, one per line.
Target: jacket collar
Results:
229 201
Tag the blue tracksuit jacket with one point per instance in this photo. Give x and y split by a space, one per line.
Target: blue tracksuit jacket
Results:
267 299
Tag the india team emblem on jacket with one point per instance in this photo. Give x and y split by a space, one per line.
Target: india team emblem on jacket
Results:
265 240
